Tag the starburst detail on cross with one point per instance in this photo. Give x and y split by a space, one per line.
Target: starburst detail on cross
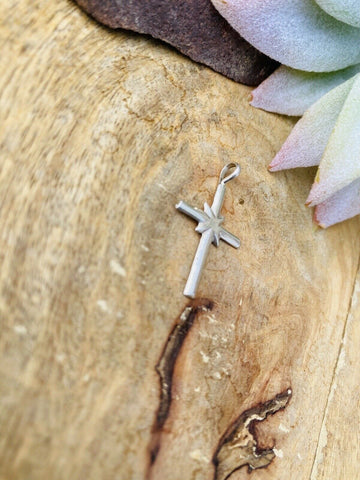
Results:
212 222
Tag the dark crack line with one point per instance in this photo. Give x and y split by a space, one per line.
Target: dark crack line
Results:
166 365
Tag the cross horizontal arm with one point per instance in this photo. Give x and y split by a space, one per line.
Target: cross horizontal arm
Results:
194 213
229 238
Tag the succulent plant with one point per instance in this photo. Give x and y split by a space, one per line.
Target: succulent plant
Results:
318 43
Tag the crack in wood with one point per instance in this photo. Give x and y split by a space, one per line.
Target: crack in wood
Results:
238 447
165 366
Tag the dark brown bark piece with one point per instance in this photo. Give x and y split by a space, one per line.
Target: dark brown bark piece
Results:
192 26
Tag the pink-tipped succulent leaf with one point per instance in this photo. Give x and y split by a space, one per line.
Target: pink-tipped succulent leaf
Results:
342 205
340 165
307 142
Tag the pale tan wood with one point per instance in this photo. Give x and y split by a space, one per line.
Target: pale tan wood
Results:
101 134
338 453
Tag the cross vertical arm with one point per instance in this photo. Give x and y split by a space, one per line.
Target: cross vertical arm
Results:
198 264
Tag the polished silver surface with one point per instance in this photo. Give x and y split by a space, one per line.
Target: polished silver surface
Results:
209 226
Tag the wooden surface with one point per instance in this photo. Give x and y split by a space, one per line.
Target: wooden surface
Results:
101 134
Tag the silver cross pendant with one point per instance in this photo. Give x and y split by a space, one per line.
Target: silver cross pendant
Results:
209 226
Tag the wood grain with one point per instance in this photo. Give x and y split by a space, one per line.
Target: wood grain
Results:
101 134
337 454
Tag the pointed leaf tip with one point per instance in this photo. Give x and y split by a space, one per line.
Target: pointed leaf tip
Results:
291 92
306 143
339 165
341 206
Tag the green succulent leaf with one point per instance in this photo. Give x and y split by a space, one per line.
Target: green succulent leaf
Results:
347 11
297 33
292 92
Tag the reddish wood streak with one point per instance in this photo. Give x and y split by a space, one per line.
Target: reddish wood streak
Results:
166 364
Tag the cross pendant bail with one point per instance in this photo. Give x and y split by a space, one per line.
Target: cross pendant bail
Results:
209 226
